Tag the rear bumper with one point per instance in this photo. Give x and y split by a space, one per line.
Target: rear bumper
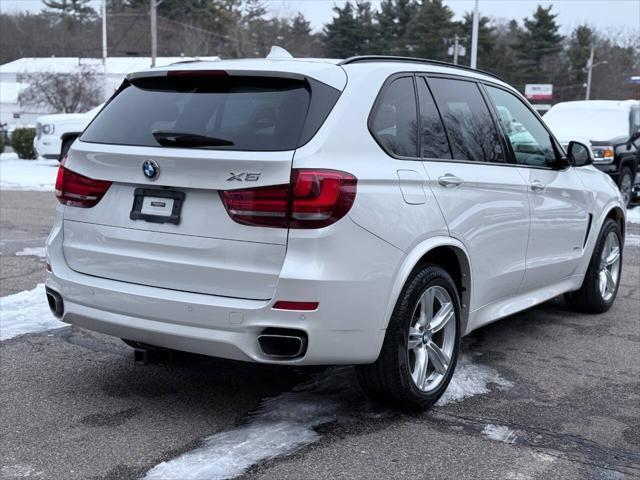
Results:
347 328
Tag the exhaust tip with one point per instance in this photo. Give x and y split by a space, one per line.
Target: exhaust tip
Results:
55 303
283 343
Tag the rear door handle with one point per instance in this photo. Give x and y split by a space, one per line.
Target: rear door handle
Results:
449 180
537 186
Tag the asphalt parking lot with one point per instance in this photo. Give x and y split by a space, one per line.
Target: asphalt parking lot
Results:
563 399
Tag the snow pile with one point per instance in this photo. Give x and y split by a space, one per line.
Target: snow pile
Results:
632 240
16 174
39 252
16 471
499 433
286 423
633 215
471 379
26 312
281 425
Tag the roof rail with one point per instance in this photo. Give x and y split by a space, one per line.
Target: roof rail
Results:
391 58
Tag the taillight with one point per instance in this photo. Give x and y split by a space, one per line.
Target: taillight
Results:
77 190
315 199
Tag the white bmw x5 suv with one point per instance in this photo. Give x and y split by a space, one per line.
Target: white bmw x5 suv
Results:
369 211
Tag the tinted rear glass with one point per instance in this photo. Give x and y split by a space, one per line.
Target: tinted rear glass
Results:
232 113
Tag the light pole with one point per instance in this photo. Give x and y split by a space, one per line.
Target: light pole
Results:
104 32
590 67
154 30
474 37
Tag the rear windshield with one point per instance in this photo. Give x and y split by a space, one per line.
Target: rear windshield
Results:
227 112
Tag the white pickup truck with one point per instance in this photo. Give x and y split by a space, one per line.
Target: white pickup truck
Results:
55 133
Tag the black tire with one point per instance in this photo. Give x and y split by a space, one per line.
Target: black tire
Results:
625 184
389 378
589 299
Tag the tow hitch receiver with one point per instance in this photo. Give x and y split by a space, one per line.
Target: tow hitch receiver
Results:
153 356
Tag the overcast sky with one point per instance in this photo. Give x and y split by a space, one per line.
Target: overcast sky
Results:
606 15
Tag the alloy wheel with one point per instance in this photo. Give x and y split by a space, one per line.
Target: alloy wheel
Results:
609 274
431 339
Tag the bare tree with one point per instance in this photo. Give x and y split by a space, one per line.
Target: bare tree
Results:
63 92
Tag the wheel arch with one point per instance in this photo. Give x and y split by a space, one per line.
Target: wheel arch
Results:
617 214
446 252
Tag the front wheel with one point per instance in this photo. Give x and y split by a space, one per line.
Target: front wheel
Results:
421 345
626 186
600 285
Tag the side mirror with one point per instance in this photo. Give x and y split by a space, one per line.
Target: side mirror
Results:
580 153
634 136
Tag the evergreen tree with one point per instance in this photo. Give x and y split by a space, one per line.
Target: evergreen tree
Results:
538 46
351 32
393 20
431 29
503 58
578 51
76 9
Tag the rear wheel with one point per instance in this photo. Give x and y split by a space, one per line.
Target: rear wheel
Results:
626 185
600 285
421 346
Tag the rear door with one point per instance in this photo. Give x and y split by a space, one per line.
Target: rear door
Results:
483 199
559 203
170 145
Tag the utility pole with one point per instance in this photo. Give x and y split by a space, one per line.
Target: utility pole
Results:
455 49
474 37
589 70
104 33
154 30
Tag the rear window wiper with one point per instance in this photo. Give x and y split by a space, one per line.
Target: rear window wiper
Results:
177 139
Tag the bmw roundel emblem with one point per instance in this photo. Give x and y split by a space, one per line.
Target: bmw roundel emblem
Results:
150 169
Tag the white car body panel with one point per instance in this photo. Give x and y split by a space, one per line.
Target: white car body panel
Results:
209 284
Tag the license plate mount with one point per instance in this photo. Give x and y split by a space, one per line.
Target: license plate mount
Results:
157 206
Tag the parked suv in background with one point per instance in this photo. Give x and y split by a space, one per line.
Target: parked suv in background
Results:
612 128
55 133
370 211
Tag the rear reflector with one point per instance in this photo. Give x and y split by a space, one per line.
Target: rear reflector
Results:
77 190
287 305
315 199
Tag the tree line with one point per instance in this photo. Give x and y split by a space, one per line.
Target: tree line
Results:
528 50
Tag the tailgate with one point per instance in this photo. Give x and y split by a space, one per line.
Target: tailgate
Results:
169 147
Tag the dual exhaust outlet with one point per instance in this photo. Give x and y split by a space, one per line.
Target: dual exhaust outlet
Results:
55 302
283 343
277 343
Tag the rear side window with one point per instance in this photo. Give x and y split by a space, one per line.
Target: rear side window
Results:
433 142
394 122
221 112
470 128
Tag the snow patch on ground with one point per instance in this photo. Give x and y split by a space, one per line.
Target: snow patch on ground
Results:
17 174
16 471
281 425
500 433
39 252
632 240
26 312
286 423
633 215
471 378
